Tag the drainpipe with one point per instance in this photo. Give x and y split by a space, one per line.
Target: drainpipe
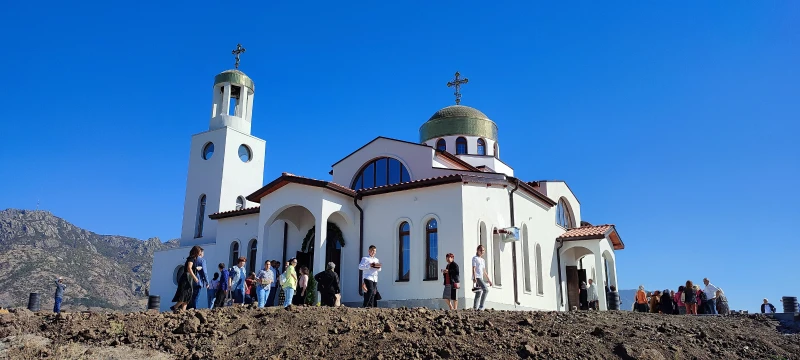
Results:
558 263
360 240
514 244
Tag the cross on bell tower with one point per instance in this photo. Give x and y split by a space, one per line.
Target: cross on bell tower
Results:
238 51
457 84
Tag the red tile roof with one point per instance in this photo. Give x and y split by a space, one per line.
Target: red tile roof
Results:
232 213
287 178
594 232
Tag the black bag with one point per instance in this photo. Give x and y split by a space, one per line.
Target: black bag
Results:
378 296
702 296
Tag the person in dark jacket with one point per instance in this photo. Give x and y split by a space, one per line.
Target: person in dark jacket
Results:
666 302
613 298
583 295
767 308
452 282
328 285
690 298
60 287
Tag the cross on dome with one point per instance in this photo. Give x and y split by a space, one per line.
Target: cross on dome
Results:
457 84
238 51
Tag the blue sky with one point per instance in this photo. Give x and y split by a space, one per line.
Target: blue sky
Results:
677 122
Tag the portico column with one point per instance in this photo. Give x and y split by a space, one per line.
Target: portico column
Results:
226 99
598 282
320 233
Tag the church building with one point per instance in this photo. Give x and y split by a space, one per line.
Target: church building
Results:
446 192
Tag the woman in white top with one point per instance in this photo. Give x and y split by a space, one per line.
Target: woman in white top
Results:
212 290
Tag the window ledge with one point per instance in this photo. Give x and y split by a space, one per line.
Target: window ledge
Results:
402 281
540 295
430 279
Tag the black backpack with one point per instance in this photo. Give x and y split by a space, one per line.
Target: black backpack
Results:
702 296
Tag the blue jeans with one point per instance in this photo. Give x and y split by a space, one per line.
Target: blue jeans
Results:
238 296
711 306
263 294
212 295
480 295
57 306
195 296
289 294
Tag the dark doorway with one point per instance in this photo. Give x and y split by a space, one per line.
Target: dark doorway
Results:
574 278
305 259
333 254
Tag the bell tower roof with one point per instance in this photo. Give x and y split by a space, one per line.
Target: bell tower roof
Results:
235 77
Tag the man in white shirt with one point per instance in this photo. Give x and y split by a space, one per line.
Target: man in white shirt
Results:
591 296
370 266
711 294
478 273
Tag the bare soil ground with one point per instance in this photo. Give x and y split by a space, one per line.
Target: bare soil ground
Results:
346 333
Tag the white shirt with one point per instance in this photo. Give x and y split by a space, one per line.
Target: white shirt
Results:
479 264
711 291
370 273
591 293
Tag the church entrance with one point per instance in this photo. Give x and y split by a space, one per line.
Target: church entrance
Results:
574 278
334 241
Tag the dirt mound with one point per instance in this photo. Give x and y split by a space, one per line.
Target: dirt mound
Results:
345 333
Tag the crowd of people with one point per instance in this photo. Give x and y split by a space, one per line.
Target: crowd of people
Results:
689 299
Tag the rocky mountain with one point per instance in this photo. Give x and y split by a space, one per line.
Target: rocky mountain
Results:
101 271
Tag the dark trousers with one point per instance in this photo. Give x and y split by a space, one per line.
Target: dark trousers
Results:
195 291
271 298
327 299
369 296
57 306
219 302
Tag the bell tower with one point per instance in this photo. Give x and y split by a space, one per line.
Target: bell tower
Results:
226 163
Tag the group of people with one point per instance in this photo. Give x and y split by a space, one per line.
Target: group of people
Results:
232 286
690 299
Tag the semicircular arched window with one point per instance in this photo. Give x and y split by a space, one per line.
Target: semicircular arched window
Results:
441 145
461 146
380 172
564 215
481 147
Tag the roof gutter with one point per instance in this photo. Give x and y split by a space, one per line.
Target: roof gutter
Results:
360 239
514 244
558 263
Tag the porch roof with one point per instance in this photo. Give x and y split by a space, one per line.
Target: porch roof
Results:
287 178
232 213
594 232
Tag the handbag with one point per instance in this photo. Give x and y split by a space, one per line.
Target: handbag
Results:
457 285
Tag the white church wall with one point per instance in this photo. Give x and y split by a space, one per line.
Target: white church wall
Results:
488 161
383 215
417 159
472 144
555 190
240 228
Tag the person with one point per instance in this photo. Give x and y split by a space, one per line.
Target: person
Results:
239 277
767 308
479 272
60 288
452 281
641 300
302 284
591 296
225 284
666 303
211 292
655 300
583 296
291 282
711 295
689 298
281 280
371 266
250 295
722 303
613 298
203 283
185 284
678 302
265 279
273 288
328 285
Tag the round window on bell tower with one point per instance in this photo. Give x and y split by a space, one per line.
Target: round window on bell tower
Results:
208 151
244 153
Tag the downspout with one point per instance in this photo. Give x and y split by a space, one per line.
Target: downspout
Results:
514 244
360 240
558 263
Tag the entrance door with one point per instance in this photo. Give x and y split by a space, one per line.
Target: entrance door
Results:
573 287
333 254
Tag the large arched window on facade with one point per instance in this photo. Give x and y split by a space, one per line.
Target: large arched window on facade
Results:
234 253
481 147
564 216
539 277
496 266
404 253
526 259
251 259
441 145
461 146
380 172
201 215
431 250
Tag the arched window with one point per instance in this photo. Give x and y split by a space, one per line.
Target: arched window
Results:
380 172
239 203
481 147
526 259
461 146
201 215
496 151
404 263
431 250
539 280
496 259
564 216
251 259
234 253
441 145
